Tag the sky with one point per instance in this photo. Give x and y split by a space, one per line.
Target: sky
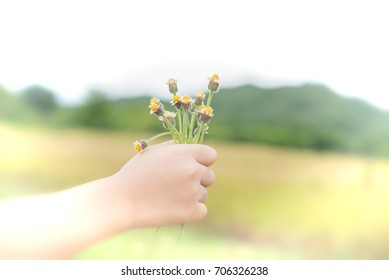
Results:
134 47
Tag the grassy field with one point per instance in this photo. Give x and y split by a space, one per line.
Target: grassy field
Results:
268 203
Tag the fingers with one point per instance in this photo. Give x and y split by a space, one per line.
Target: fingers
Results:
203 194
208 177
202 211
203 154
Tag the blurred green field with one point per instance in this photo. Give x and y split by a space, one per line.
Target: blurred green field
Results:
267 203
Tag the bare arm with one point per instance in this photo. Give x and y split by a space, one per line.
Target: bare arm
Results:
163 185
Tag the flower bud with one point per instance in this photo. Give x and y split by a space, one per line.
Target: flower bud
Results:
156 107
205 113
213 84
186 102
199 98
140 145
172 83
176 101
154 100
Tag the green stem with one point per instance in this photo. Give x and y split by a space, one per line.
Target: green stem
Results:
202 136
192 122
157 136
179 119
173 131
187 128
199 132
184 124
209 98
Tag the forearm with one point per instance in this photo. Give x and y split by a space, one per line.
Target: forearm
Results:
163 185
58 225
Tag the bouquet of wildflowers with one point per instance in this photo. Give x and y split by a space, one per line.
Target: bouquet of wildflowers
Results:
190 121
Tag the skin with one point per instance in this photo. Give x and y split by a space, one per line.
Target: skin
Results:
163 185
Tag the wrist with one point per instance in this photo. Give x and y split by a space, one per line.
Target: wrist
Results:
118 206
102 208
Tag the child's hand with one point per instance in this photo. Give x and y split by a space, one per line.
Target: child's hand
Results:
166 184
163 185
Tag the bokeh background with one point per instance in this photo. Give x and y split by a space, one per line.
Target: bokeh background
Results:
300 126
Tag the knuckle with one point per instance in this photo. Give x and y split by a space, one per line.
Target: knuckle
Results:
212 176
189 195
205 195
190 170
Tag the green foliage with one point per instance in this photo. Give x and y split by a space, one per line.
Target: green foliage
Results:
32 105
306 116
5 100
309 116
40 99
132 114
95 112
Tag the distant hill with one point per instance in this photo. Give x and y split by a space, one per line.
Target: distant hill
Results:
302 116
306 116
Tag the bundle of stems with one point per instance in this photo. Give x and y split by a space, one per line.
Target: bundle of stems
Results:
190 121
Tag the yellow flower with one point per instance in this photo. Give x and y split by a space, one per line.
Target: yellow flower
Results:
154 100
186 102
200 94
199 98
156 106
140 145
214 77
201 108
205 110
208 111
205 113
213 84
137 146
185 99
176 101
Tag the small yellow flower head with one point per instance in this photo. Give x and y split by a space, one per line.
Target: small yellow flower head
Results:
140 145
199 98
205 113
172 83
186 99
154 100
186 102
176 101
156 107
206 110
213 84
